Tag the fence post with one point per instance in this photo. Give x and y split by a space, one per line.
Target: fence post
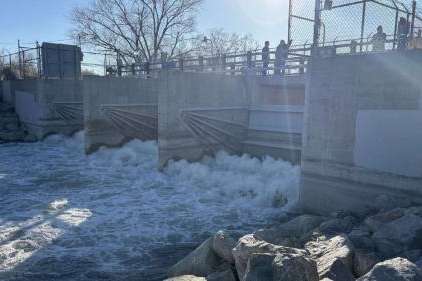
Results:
133 69
223 62
412 28
362 27
181 62
317 22
164 60
249 59
201 63
395 28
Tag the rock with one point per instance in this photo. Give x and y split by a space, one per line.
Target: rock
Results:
291 232
292 267
419 263
259 267
397 269
227 275
186 278
201 262
376 221
363 262
339 272
326 253
249 244
337 225
361 238
386 202
396 236
412 255
223 245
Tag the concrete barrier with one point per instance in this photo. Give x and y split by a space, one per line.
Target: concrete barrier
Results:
201 113
46 106
363 131
119 109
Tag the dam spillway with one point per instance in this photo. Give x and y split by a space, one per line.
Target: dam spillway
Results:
352 121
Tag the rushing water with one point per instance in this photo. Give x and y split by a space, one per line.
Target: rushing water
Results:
114 216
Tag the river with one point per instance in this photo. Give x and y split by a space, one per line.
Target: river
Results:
114 216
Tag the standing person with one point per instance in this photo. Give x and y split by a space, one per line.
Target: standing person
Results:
403 31
378 40
281 55
265 57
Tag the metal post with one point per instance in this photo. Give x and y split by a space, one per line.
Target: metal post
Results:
201 63
412 27
395 28
19 59
38 59
317 23
223 62
362 27
181 64
249 59
289 23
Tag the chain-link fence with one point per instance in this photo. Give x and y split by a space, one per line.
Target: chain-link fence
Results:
353 22
23 64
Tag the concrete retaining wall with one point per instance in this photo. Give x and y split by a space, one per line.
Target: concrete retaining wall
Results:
201 113
363 131
119 109
46 106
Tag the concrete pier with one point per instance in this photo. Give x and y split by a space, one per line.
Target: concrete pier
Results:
46 106
118 110
363 131
201 113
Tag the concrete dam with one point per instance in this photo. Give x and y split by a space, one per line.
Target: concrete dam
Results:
353 122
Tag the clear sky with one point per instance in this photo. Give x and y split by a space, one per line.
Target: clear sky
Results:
48 20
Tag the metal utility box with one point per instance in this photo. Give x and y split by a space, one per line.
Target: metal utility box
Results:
61 61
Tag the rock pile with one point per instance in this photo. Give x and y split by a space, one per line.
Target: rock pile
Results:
10 128
341 247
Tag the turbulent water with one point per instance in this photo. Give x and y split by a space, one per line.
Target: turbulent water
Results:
114 216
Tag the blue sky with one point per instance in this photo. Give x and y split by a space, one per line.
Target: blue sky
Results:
48 20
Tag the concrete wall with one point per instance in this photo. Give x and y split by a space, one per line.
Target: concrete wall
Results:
46 106
362 134
119 109
201 113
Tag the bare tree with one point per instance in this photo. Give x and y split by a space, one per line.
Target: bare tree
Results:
218 42
139 30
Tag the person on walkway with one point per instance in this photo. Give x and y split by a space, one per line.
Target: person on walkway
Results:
265 57
378 40
402 32
416 43
281 55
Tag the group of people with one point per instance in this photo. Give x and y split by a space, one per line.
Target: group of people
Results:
403 29
281 55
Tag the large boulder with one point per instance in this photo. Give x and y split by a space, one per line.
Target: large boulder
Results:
328 255
286 267
396 236
227 275
201 262
259 267
361 238
363 262
186 278
397 269
223 245
292 267
376 221
337 225
249 244
292 232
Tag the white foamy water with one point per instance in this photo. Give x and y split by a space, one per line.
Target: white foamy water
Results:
114 216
